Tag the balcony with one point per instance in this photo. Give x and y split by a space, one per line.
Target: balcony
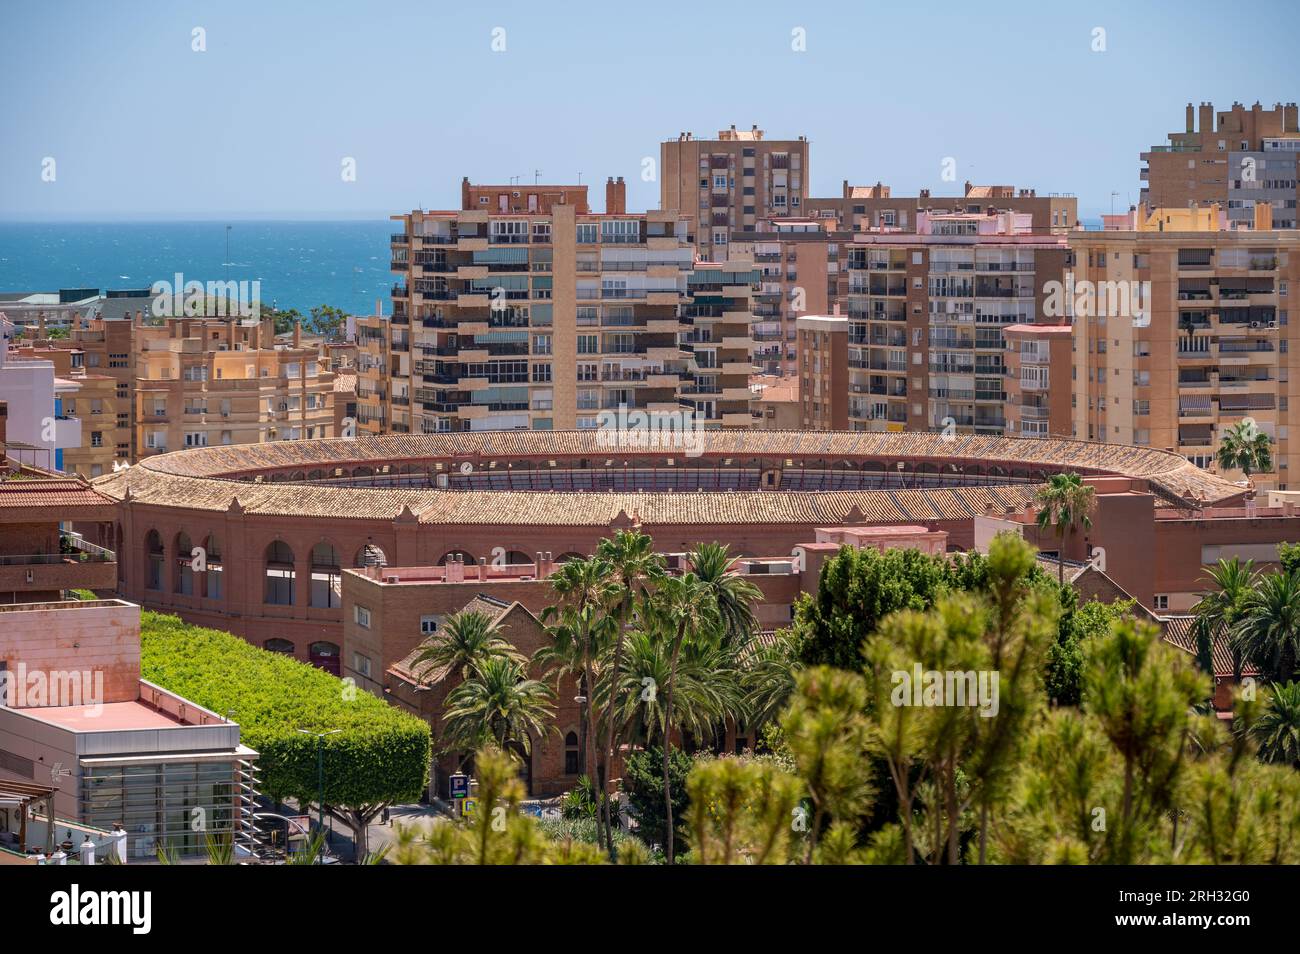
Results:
85 567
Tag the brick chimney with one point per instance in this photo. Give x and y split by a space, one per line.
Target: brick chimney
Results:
615 196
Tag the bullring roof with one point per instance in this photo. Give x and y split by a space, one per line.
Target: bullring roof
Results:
212 478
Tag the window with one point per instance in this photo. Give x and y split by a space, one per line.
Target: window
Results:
428 625
362 616
279 574
326 577
572 760
1162 601
361 664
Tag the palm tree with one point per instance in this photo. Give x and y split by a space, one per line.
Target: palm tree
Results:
585 588
465 642
1065 504
1267 631
498 703
633 563
1220 609
1277 732
734 595
684 607
1246 448
768 678
706 690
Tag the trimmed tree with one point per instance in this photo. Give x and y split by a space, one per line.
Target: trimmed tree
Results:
379 756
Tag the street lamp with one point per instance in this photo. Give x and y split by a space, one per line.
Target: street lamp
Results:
320 777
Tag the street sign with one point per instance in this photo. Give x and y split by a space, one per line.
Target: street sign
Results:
459 785
468 807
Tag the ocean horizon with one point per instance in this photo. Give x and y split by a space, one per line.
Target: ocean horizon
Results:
299 263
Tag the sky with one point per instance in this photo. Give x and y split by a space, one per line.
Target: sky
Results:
260 122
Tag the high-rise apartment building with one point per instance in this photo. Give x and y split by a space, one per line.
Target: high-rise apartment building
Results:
926 312
1241 159
798 265
548 319
875 208
731 183
1038 380
1212 345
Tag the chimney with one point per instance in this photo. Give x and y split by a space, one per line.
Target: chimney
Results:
1207 118
615 196
1290 118
968 188
464 192
1191 118
297 334
40 324
1263 216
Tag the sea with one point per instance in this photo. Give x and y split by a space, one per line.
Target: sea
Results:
299 264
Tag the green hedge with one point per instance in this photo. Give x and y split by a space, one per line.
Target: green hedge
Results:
381 754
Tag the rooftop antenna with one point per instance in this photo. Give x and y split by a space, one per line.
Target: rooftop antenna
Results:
537 175
1113 196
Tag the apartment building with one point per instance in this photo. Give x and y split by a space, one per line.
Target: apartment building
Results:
1213 345
190 382
195 385
732 182
1039 364
926 312
1240 159
799 274
823 348
88 397
39 430
875 208
550 319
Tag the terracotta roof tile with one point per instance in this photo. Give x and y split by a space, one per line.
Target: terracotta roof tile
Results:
211 478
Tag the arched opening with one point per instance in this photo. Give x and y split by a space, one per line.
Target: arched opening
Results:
513 558
280 575
184 581
572 757
325 655
326 577
566 557
453 555
212 579
153 548
370 555
279 646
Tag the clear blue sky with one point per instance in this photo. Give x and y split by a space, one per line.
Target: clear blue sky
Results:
141 126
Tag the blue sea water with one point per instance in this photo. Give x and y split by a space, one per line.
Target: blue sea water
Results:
300 264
